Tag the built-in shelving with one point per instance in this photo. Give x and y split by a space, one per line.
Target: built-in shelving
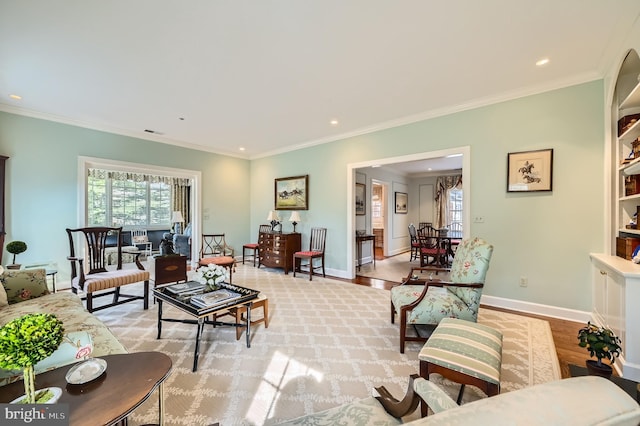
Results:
632 100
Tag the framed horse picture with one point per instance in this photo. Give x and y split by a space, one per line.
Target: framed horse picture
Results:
530 171
292 193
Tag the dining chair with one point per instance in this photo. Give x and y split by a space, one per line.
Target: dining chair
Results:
89 274
433 247
422 301
415 244
253 247
316 251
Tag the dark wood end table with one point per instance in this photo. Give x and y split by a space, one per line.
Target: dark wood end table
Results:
629 386
129 380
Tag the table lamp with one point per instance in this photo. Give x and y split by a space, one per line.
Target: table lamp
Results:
295 218
177 219
275 220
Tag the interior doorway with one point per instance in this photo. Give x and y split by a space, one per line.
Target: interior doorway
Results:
378 214
463 152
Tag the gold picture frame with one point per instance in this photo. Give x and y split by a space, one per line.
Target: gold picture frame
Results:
530 171
292 193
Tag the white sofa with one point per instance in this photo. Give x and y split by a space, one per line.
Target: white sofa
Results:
587 400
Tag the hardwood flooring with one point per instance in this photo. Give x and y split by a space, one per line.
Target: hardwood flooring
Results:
564 332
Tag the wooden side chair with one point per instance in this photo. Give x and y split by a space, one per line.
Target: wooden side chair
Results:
415 244
90 274
316 251
216 250
253 247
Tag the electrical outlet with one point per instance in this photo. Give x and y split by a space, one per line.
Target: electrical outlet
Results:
478 219
524 281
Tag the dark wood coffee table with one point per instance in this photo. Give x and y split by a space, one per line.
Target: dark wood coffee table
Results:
129 380
629 386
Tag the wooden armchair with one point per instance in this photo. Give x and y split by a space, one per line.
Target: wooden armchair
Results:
97 278
425 301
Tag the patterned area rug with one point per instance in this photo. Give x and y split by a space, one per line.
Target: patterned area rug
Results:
328 342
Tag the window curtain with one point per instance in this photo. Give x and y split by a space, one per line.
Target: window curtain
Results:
181 199
181 187
443 185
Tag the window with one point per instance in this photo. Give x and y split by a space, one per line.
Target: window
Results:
128 199
455 209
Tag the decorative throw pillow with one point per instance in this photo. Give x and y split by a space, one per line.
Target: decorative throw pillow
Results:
22 285
76 346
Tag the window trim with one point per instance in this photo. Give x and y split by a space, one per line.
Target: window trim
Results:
85 163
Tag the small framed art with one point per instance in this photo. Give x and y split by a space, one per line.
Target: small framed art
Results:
401 202
361 203
530 171
292 193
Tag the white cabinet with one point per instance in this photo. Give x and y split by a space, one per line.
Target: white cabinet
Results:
616 299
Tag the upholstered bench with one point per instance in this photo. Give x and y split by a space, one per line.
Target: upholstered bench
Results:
464 352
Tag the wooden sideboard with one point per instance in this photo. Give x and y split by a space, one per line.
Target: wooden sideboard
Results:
275 249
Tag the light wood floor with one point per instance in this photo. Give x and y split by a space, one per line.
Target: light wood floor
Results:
565 333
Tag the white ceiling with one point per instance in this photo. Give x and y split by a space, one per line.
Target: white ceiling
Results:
270 75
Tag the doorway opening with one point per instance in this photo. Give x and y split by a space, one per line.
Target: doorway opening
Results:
378 201
397 226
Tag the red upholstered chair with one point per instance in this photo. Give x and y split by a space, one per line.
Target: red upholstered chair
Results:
316 251
215 250
97 278
253 247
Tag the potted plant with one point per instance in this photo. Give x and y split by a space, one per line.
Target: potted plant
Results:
601 343
15 248
24 342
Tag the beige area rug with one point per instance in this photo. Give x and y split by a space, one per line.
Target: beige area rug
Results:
328 343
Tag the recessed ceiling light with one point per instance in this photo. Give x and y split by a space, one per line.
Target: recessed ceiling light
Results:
16 97
429 169
181 118
242 148
375 165
542 62
334 122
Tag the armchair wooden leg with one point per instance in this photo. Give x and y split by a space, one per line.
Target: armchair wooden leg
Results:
396 408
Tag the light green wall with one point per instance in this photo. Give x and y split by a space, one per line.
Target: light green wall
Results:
544 236
42 182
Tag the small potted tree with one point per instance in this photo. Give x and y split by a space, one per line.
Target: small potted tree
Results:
15 248
24 342
601 343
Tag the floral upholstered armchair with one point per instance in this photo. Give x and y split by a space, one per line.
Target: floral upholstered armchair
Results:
420 301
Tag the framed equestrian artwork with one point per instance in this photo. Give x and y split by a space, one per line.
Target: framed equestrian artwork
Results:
530 171
292 193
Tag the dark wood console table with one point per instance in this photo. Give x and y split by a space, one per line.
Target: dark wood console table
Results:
359 240
275 249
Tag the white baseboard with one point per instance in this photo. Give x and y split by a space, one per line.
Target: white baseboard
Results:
536 308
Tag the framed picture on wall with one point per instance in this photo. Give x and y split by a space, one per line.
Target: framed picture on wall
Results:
401 202
292 193
530 171
361 203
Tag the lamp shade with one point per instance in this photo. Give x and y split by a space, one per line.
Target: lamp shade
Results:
273 216
176 216
295 217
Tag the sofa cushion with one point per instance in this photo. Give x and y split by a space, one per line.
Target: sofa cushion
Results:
75 346
69 309
362 412
23 285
